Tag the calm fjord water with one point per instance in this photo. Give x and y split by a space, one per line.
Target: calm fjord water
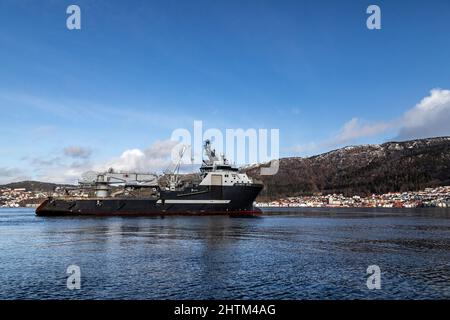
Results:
291 254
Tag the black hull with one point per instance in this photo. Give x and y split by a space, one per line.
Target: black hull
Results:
232 200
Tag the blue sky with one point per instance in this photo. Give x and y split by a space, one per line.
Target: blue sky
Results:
137 70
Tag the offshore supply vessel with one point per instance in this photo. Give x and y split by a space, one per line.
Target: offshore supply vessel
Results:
219 189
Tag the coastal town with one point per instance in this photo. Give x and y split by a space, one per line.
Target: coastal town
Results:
429 197
21 197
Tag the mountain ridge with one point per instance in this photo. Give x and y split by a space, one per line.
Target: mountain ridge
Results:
362 169
31 185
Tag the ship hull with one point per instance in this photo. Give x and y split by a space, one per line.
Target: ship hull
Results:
211 200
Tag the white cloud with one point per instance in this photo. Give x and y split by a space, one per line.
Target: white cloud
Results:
429 118
351 131
64 173
69 167
356 129
155 158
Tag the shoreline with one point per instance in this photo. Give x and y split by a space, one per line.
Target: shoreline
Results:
299 208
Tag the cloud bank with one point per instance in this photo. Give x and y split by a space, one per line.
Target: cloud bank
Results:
8 175
429 118
155 158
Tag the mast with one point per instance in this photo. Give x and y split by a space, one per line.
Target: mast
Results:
173 176
210 153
